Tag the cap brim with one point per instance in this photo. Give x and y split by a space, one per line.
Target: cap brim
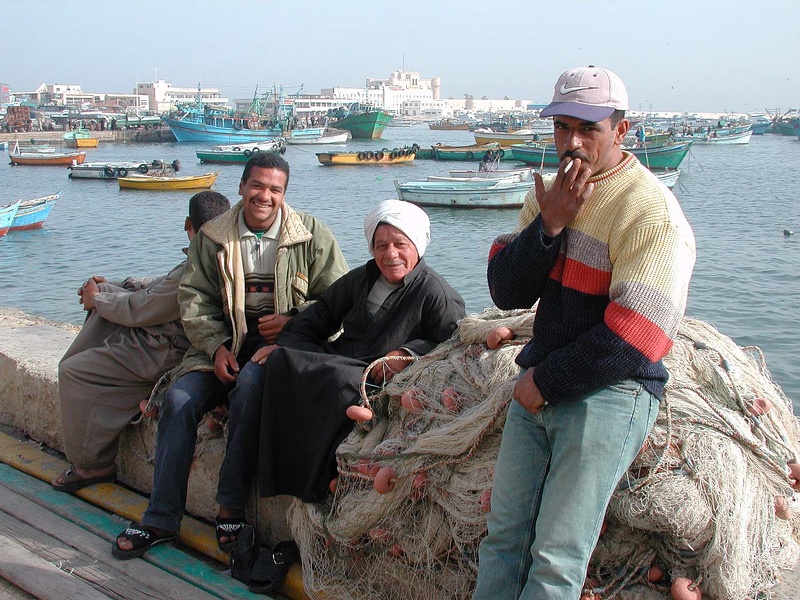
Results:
585 112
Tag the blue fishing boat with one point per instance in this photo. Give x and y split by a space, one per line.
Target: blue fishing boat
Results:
7 214
32 213
211 124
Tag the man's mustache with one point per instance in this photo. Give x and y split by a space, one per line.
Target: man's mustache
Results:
574 154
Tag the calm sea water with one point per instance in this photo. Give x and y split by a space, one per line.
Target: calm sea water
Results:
739 200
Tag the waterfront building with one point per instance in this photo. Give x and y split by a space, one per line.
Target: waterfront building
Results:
163 96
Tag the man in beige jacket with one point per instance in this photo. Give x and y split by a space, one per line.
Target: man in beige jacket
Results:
132 336
248 273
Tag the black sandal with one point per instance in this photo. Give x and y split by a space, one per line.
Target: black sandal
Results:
229 527
142 538
272 566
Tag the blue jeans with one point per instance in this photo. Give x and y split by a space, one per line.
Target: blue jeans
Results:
244 422
188 399
554 477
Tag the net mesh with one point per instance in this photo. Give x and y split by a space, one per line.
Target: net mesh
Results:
698 501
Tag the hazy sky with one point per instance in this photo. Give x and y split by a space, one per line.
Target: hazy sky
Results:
699 55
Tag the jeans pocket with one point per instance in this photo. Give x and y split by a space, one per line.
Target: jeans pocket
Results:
627 386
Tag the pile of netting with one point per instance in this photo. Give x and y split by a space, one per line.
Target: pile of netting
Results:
707 499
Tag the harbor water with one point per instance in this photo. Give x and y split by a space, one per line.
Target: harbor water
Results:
739 200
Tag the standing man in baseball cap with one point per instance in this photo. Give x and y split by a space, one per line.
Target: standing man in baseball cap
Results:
606 251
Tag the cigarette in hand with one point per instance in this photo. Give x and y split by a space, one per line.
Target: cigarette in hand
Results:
568 167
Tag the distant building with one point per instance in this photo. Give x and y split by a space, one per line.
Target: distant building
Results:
72 96
404 93
163 96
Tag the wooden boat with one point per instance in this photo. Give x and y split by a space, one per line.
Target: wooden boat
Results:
468 153
506 140
112 170
715 139
32 213
669 177
500 194
86 142
473 181
364 122
200 122
19 157
448 125
80 138
7 214
386 156
186 182
337 138
524 173
664 157
240 153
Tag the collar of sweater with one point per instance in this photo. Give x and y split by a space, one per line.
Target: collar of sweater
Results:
628 162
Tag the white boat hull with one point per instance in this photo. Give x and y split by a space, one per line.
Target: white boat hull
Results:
522 174
500 196
340 138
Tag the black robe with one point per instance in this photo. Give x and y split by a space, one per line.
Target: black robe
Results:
309 382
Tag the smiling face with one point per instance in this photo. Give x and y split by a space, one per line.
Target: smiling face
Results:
395 253
596 144
263 194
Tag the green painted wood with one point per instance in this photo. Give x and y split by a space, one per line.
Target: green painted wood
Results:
166 557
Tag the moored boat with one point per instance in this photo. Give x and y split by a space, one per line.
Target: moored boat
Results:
499 194
32 213
364 122
448 125
80 138
46 158
506 140
185 182
336 138
386 156
240 153
88 142
662 157
469 153
7 214
114 169
524 173
715 139
669 177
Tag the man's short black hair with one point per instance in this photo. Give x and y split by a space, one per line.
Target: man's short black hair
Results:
616 117
206 205
266 160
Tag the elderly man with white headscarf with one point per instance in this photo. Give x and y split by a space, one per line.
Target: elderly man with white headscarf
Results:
394 305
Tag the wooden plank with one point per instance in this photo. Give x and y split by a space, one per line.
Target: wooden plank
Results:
86 555
167 557
39 577
9 591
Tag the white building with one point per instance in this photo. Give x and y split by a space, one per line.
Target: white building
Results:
404 93
71 95
164 96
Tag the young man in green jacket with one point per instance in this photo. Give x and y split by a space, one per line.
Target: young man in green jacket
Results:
248 272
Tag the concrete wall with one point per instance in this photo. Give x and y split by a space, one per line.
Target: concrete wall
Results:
30 348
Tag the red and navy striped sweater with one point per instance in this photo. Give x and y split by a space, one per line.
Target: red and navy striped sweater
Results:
611 287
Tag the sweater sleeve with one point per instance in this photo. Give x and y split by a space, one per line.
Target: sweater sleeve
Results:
647 298
520 265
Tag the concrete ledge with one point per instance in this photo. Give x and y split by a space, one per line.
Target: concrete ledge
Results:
30 349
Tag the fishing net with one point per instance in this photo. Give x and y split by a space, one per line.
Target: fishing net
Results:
698 502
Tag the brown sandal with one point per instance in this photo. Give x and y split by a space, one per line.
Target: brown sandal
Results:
70 481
